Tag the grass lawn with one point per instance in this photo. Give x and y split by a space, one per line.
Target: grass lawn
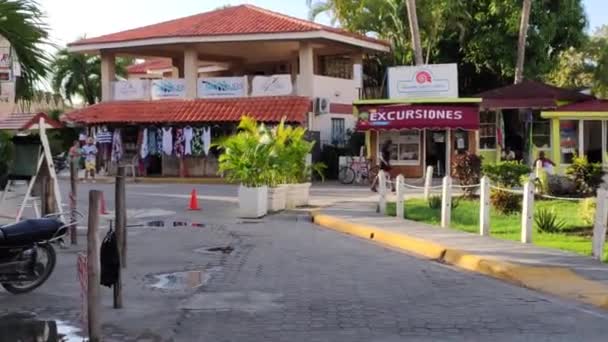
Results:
575 237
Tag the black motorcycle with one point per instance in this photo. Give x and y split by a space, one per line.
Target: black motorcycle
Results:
27 256
61 162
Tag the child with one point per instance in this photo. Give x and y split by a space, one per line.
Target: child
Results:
89 151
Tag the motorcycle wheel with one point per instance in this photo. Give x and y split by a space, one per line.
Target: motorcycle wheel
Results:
43 271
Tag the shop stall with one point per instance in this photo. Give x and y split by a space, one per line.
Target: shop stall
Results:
579 129
422 132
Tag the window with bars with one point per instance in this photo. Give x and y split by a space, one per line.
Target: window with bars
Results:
541 132
338 131
336 66
487 130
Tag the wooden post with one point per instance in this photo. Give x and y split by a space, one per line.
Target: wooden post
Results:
599 226
121 215
527 214
484 210
399 187
73 201
382 191
428 182
446 202
93 300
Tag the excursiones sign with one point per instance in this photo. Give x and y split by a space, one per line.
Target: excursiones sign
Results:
419 116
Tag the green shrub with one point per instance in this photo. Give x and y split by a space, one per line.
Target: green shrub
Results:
505 202
506 173
467 169
547 222
434 202
586 175
587 210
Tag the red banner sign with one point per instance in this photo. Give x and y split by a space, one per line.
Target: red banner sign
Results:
418 116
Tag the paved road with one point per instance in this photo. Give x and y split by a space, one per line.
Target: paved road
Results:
288 280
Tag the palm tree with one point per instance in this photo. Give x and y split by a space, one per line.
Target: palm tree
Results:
76 74
415 31
521 44
22 24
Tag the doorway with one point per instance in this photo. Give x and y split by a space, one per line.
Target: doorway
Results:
436 143
592 141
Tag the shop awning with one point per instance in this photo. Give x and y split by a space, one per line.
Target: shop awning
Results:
418 116
264 109
27 121
588 109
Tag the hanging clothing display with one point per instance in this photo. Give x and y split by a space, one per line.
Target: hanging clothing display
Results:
167 140
179 142
207 140
117 150
143 150
187 140
197 141
151 141
104 136
159 141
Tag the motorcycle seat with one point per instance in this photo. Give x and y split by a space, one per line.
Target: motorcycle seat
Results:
28 231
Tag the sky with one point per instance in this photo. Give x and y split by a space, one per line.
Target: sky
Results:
71 19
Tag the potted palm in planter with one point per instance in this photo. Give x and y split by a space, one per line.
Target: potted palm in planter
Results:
245 159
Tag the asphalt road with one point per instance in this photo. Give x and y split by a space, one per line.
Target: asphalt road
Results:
288 280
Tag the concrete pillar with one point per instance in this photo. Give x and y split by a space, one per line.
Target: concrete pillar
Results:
108 75
306 55
191 72
178 63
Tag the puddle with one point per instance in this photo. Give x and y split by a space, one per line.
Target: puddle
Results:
170 224
185 280
215 250
26 327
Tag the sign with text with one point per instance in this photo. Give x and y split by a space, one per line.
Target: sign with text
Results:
275 85
7 92
418 116
131 90
168 89
432 80
214 87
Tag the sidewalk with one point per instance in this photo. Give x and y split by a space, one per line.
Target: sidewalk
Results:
547 270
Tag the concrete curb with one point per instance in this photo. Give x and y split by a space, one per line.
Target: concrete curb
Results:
559 281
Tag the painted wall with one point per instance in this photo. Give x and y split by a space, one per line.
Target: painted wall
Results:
338 90
322 123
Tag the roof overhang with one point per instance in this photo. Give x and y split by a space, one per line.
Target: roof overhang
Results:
574 115
283 36
430 100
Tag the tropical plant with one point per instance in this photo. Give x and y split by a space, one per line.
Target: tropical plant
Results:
466 168
434 202
23 24
505 202
587 210
547 222
586 175
506 173
77 74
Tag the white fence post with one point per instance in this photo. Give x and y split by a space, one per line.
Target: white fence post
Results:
446 202
599 226
527 214
428 182
399 189
484 210
382 191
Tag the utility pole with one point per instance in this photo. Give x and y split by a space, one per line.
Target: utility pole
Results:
414 30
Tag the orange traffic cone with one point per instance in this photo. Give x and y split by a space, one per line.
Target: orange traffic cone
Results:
193 201
102 206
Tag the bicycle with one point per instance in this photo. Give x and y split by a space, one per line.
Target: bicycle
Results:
360 172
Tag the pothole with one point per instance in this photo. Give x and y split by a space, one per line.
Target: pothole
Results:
215 250
26 327
180 281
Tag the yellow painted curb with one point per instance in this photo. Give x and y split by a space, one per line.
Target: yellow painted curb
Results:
557 281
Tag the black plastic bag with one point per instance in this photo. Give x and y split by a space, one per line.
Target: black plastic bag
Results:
110 260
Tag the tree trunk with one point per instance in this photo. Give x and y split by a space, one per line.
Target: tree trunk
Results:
521 44
414 30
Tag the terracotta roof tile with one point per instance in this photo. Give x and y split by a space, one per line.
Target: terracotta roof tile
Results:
264 109
529 94
150 64
242 19
24 121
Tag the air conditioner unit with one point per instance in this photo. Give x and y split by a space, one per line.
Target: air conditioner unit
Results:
322 105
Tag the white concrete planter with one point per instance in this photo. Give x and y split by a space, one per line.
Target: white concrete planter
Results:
253 202
297 195
277 198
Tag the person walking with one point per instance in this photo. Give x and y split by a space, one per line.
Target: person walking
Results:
89 151
385 165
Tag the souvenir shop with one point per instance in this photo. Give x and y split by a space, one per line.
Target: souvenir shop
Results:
423 133
178 150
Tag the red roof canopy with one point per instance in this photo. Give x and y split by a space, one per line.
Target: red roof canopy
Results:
21 121
150 64
529 94
587 106
264 109
243 19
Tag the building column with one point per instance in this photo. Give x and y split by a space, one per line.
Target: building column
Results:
178 63
191 72
357 59
555 143
108 75
306 58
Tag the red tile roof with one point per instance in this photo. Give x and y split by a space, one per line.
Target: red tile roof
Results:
587 106
24 121
264 109
242 19
529 94
150 64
